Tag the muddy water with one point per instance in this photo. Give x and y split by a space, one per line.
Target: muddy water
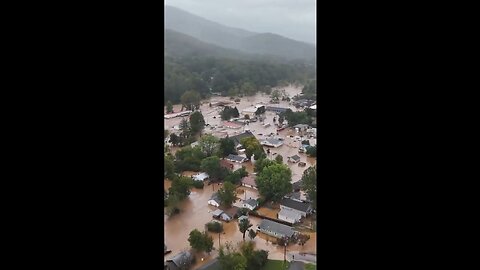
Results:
195 211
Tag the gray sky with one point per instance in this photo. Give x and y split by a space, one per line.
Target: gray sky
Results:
294 19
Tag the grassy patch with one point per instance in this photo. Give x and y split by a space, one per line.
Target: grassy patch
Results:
275 265
310 266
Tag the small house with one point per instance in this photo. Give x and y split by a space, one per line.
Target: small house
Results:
232 125
214 200
180 261
226 164
250 204
275 229
300 207
271 142
220 214
289 216
237 138
294 159
200 177
235 158
249 181
276 109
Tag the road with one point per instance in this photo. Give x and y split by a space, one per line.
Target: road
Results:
303 257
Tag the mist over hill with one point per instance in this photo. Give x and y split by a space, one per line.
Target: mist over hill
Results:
218 35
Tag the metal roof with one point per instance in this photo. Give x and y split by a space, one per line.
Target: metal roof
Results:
300 206
272 226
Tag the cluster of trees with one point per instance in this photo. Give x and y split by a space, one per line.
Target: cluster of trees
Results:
295 118
312 151
309 91
309 184
228 76
253 146
190 129
179 191
229 112
273 181
200 241
244 258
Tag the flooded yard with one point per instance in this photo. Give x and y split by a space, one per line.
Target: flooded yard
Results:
195 212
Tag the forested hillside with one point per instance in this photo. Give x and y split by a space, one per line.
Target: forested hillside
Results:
228 76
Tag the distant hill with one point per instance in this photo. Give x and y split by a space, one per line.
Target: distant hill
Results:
278 45
235 38
181 45
203 29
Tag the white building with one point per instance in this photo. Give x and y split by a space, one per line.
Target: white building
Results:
289 215
214 200
200 177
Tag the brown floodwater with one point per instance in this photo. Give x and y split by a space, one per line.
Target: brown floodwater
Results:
195 212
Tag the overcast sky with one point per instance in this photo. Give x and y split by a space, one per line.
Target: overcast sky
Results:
294 19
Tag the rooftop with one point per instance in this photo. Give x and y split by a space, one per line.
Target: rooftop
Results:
251 202
272 226
249 180
300 206
182 258
236 139
235 157
295 157
290 214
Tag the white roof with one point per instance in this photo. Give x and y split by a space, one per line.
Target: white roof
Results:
290 214
314 107
201 176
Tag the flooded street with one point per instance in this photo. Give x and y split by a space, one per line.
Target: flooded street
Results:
195 211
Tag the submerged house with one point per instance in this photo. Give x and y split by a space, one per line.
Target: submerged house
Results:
300 207
237 138
289 216
249 181
276 109
294 159
220 214
235 158
271 142
250 204
200 177
275 229
214 200
181 261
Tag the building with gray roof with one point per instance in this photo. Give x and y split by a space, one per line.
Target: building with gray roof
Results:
275 229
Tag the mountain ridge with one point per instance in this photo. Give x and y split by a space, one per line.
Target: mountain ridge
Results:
238 39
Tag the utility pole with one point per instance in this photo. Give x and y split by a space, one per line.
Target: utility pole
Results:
219 240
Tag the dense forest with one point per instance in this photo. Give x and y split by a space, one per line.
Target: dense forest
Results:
229 76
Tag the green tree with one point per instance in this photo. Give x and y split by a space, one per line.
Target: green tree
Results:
185 128
174 139
279 159
273 182
236 176
243 226
275 94
197 123
262 163
211 165
312 151
251 234
281 118
227 194
252 146
231 259
227 147
208 144
181 186
309 184
190 100
169 107
173 201
169 166
188 159
200 241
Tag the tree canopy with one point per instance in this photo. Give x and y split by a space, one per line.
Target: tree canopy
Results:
309 184
197 122
200 241
227 194
273 181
